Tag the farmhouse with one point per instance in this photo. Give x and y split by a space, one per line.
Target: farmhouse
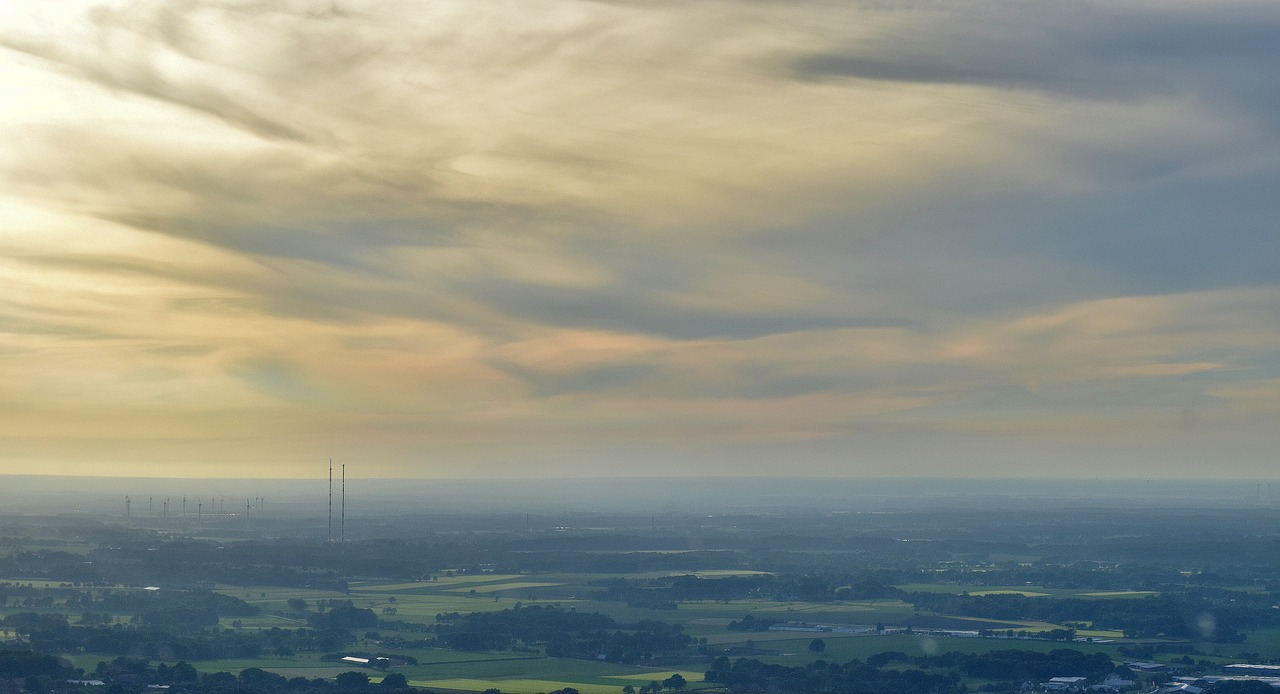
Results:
1113 683
798 626
1062 684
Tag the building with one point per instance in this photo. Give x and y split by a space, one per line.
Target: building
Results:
1064 684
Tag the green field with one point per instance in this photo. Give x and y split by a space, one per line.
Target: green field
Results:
842 649
721 573
448 670
513 585
1029 591
529 686
579 678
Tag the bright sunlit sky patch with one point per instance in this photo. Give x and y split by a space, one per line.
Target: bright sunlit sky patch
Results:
586 238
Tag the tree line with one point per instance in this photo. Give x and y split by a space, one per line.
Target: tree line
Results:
563 633
124 675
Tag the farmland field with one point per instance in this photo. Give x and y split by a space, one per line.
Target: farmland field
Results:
1029 591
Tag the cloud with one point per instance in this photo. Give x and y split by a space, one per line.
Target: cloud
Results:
715 231
1113 51
582 115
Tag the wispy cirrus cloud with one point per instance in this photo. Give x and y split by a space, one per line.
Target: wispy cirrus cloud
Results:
712 232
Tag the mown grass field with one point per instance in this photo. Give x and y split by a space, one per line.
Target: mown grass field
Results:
583 679
525 686
1029 591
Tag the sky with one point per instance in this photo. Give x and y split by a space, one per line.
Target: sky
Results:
573 238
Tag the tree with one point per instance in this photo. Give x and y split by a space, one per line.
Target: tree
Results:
259 680
395 680
297 604
183 671
675 682
344 617
218 680
352 680
817 646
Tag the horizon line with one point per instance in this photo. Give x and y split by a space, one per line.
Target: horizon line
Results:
580 478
